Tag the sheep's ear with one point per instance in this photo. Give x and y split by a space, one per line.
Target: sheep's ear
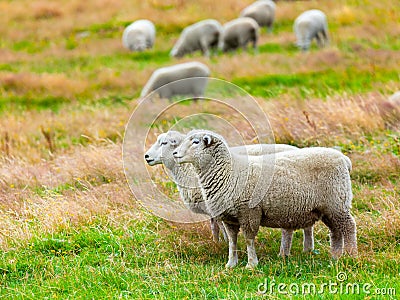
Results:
207 140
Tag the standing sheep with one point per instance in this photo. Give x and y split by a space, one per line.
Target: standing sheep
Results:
161 152
164 77
238 33
309 25
202 36
263 11
185 177
306 185
139 35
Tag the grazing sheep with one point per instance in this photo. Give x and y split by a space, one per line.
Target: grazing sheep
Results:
201 36
390 110
167 75
309 25
305 185
395 98
139 35
161 153
263 11
238 33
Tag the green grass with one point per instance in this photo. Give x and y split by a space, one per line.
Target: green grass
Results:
137 261
316 84
122 251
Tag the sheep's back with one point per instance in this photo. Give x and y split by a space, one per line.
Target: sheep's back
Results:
306 183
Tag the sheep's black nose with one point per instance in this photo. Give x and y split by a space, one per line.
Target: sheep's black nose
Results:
175 152
146 156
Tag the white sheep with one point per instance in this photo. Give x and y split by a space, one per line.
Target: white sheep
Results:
309 25
203 36
303 186
163 77
139 35
161 153
238 33
262 11
395 99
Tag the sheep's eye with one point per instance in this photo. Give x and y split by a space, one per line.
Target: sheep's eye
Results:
195 141
164 143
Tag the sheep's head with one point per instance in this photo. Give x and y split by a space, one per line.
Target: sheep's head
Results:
177 51
137 41
161 151
198 148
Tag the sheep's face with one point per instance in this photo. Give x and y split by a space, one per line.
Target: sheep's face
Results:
137 42
194 149
161 151
176 51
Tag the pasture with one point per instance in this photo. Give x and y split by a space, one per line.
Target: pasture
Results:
70 227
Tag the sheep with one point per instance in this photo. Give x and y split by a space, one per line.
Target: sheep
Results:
161 153
390 110
201 36
163 77
305 185
262 11
395 98
309 25
238 33
139 35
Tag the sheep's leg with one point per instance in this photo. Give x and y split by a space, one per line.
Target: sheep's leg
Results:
214 229
232 231
308 239
319 40
270 27
243 43
251 254
349 232
254 40
250 234
325 37
336 243
222 229
286 242
204 48
336 236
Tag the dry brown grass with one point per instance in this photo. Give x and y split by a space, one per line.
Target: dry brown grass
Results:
335 120
378 219
70 189
58 21
53 24
57 85
22 133
43 192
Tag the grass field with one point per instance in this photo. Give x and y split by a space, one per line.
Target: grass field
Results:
71 229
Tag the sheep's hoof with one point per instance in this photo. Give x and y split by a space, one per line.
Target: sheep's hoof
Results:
231 264
336 254
251 264
308 249
283 254
352 252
